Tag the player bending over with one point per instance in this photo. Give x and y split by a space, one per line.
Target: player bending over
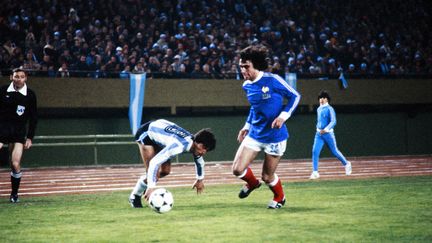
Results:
265 126
158 142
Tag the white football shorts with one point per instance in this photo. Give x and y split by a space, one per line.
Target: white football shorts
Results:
277 149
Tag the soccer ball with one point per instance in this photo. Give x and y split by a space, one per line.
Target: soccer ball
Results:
161 200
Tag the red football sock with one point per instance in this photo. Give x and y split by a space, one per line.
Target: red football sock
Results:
276 188
250 178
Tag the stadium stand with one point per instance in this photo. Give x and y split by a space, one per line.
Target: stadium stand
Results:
199 39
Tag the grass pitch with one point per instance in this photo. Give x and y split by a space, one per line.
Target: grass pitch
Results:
396 209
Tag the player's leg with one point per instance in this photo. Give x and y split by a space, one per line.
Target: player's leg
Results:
316 151
273 154
147 152
16 150
330 140
165 169
244 156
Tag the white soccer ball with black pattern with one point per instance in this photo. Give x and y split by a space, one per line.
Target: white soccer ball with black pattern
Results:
161 200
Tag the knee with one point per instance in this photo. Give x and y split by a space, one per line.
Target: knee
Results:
236 171
164 172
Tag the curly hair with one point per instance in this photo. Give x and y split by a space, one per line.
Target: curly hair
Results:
257 54
207 138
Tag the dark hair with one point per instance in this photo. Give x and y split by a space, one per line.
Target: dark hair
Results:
15 70
257 54
207 138
324 94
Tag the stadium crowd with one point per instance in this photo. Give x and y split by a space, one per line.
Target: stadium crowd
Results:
195 38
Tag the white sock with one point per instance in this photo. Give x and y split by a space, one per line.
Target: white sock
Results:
140 187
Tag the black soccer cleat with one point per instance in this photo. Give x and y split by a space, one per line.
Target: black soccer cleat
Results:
245 191
14 198
135 202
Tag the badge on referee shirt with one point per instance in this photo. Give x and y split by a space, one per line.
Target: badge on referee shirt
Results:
20 110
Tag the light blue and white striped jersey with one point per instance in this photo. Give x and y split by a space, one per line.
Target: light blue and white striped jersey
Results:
326 118
266 96
173 140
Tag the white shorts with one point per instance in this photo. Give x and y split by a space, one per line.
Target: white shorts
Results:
276 149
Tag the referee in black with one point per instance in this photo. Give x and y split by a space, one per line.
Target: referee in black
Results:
18 119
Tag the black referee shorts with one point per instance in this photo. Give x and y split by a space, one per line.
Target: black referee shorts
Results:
12 133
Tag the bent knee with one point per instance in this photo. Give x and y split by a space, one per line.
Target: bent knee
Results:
237 170
164 173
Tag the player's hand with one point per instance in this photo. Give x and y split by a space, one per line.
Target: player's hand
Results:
322 131
278 123
28 143
147 193
242 134
199 186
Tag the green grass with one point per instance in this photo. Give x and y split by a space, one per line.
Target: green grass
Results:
397 209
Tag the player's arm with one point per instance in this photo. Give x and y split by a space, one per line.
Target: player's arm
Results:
33 118
293 100
199 172
245 130
332 122
152 172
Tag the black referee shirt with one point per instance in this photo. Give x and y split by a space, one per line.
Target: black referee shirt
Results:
18 109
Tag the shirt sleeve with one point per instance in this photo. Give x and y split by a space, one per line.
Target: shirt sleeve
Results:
332 123
163 156
33 117
291 94
249 119
199 167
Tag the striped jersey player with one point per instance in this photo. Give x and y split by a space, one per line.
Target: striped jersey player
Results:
326 121
158 142
272 102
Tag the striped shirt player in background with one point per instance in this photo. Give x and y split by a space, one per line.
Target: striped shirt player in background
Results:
326 121
265 126
158 142
18 109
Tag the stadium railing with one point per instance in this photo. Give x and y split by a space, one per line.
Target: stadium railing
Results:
83 140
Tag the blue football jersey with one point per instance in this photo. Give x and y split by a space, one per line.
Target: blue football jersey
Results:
266 95
326 118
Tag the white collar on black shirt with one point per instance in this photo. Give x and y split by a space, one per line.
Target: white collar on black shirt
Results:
23 90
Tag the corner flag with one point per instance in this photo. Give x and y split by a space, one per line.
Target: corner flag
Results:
136 100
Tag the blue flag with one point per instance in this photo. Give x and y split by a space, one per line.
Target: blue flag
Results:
291 79
136 100
343 81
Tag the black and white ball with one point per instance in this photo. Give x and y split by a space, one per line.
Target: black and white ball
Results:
161 200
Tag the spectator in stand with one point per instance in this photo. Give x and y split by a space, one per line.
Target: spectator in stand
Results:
139 67
63 71
329 33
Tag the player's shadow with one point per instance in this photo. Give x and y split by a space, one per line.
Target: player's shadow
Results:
247 206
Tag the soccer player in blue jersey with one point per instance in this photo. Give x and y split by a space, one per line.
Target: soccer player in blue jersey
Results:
265 125
326 121
158 142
